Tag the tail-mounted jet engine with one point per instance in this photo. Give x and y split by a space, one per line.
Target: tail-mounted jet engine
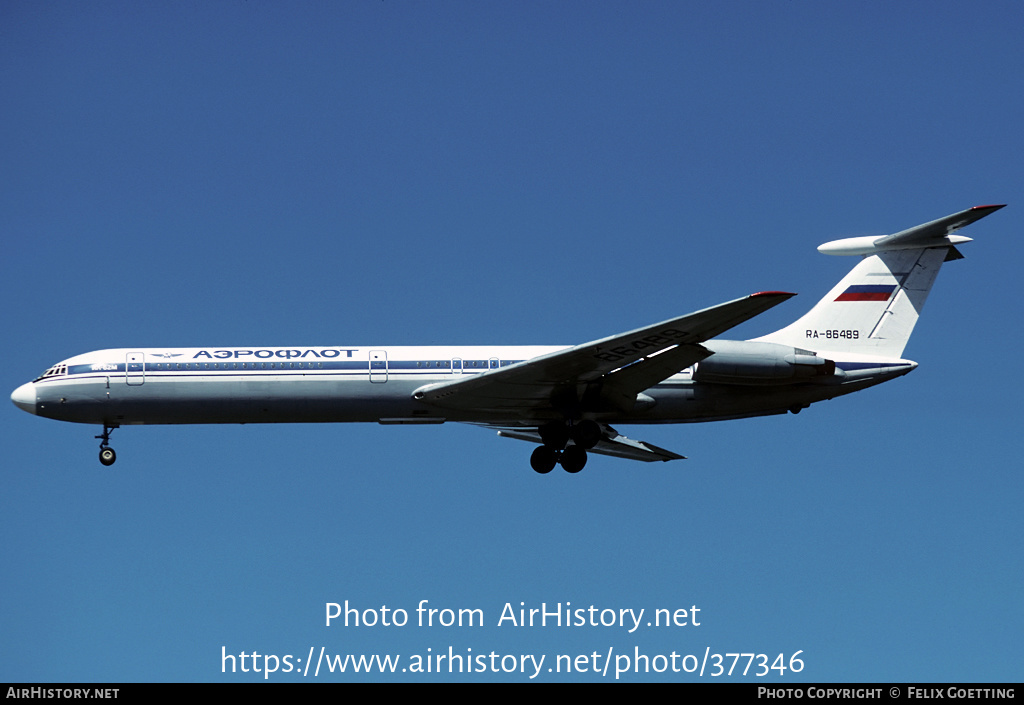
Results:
760 363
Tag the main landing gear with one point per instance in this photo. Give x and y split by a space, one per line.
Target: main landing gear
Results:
107 454
584 435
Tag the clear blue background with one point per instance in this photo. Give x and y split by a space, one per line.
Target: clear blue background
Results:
390 173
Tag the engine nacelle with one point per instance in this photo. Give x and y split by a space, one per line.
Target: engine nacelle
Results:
743 362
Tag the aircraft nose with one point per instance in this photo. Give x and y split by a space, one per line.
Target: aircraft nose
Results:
24 397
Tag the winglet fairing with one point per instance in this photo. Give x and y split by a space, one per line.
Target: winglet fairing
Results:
564 399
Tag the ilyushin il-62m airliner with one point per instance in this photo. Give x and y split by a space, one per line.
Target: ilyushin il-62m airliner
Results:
565 399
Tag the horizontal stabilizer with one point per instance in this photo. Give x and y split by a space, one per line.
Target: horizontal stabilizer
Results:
937 233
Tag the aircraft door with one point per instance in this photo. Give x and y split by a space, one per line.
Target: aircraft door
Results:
378 366
135 368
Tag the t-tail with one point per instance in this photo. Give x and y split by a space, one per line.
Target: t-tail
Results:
873 310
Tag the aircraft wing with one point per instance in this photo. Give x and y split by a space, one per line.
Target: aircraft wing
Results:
612 443
605 373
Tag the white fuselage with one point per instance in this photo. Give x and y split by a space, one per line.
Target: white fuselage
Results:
562 398
376 384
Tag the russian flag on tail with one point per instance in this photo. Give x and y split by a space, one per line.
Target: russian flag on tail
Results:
867 292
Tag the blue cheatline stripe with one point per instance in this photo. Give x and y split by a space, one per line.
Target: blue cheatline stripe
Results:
235 368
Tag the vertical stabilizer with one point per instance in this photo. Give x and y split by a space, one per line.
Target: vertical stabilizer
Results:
872 311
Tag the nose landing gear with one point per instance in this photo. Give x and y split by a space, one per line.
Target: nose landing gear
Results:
107 454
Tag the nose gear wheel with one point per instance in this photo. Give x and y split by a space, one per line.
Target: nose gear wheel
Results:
107 454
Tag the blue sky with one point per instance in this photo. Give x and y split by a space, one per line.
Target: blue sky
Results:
402 173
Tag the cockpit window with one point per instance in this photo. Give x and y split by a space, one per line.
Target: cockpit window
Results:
55 371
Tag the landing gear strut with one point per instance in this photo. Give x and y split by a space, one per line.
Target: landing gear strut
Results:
107 454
